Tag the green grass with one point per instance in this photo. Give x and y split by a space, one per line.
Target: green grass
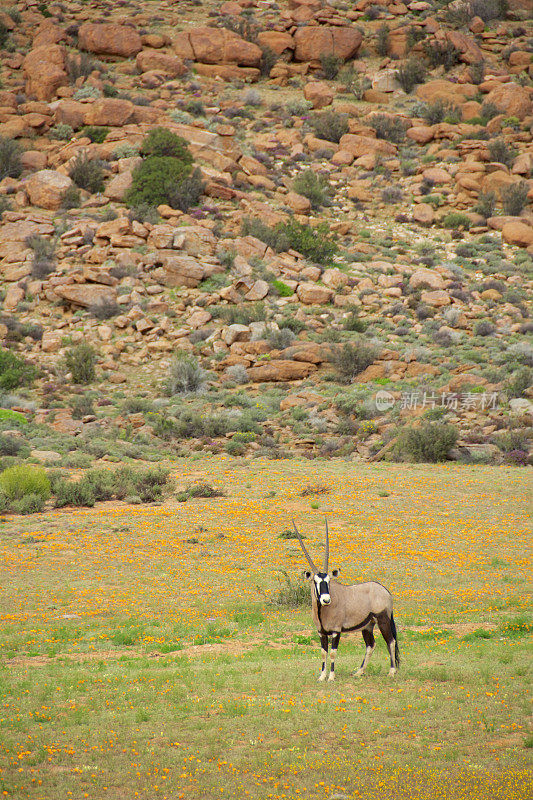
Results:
141 657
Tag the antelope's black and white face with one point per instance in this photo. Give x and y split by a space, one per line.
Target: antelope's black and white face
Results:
321 583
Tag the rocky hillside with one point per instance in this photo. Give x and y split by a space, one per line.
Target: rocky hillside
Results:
266 228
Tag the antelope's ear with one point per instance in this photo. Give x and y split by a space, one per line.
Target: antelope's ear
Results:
307 574
335 572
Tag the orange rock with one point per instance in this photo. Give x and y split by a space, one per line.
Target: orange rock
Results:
44 69
298 203
424 214
319 94
518 233
109 111
46 187
311 294
277 41
421 133
217 46
161 62
313 42
109 38
281 370
70 112
511 99
228 72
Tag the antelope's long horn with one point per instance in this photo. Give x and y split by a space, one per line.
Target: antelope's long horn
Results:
306 554
326 554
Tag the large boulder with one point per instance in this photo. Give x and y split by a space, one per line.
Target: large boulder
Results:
312 42
511 99
46 187
277 41
216 46
110 111
166 63
44 70
87 294
426 279
440 89
281 370
518 233
109 38
312 294
319 94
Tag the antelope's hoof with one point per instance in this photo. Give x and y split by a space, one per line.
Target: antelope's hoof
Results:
392 672
322 676
359 672
331 676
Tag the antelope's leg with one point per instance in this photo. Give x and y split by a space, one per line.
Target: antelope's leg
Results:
368 636
324 644
334 645
386 631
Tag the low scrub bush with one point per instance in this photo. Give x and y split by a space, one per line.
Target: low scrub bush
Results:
382 40
518 383
80 65
486 204
71 198
313 243
61 131
163 143
354 357
430 442
315 187
411 74
43 262
330 125
282 338
392 129
331 65
291 592
514 198
10 158
96 133
80 362
501 152
29 504
87 173
455 220
21 480
185 375
15 371
73 493
442 54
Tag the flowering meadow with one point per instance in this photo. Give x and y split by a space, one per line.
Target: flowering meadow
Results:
147 652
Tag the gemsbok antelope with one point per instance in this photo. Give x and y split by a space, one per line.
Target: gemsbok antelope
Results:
340 609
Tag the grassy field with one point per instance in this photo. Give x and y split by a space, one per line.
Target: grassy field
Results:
142 657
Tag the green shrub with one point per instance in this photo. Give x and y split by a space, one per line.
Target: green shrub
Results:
14 371
486 204
330 65
268 59
282 338
442 54
392 129
456 220
313 243
96 133
291 592
514 198
187 193
501 152
281 289
382 40
163 143
330 125
11 445
519 382
87 92
73 493
354 357
185 375
144 212
87 174
71 198
44 261
80 65
315 187
155 179
436 112
29 504
411 74
61 131
431 442
204 490
80 361
10 158
22 480
353 322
